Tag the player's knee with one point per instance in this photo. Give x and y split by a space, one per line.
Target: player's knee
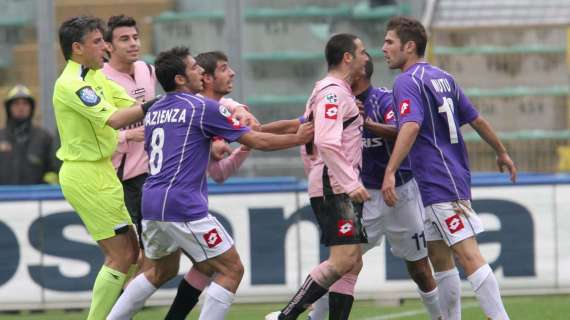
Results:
160 275
422 277
231 268
441 261
236 270
347 263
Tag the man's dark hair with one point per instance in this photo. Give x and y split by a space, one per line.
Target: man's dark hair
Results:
337 46
170 63
115 22
409 29
209 61
75 29
368 67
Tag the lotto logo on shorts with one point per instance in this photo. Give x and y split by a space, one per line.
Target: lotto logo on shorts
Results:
454 223
212 238
331 111
345 228
405 107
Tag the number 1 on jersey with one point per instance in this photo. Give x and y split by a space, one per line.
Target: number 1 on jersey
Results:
447 108
156 144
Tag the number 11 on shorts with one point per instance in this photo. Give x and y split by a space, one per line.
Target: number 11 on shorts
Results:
417 237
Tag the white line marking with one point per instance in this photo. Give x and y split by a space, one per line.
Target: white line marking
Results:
416 312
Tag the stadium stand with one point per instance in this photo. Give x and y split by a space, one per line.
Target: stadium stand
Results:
517 74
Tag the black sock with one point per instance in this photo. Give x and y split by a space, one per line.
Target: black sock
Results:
185 300
339 305
309 292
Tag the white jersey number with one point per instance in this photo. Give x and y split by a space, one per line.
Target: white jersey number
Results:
156 143
447 108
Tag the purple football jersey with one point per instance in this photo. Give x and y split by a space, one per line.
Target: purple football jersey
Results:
178 133
378 104
430 97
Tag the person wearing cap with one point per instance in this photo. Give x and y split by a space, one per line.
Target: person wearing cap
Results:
27 152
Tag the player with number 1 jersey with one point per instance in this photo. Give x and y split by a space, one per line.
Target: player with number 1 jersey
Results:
440 168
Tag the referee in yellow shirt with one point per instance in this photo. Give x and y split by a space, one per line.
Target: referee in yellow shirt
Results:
88 110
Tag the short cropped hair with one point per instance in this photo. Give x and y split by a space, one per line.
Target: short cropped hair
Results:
209 61
170 63
337 46
74 30
409 29
368 67
115 22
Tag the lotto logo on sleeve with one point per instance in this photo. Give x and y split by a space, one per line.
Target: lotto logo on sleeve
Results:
212 238
454 223
389 116
345 228
234 122
405 107
331 111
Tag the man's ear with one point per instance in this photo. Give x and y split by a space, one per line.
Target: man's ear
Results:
410 47
77 48
179 80
207 78
347 57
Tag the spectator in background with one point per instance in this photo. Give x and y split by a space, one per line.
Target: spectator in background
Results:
26 151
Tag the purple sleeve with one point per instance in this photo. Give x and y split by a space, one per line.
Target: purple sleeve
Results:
386 109
408 100
218 121
466 110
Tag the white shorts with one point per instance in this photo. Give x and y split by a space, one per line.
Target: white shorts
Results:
452 222
201 239
403 224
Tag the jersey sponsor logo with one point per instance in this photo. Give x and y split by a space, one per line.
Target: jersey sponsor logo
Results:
389 116
454 223
345 228
331 111
88 96
372 142
331 98
212 238
405 107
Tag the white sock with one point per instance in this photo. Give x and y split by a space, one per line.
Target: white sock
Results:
486 290
320 308
431 302
449 288
218 302
132 299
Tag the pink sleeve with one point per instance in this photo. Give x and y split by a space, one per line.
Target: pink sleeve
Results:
328 140
221 170
122 145
231 104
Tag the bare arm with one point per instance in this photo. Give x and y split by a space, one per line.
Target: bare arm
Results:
385 131
269 142
487 133
123 117
406 138
281 126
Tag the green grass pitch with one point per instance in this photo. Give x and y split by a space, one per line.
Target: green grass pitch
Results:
519 308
